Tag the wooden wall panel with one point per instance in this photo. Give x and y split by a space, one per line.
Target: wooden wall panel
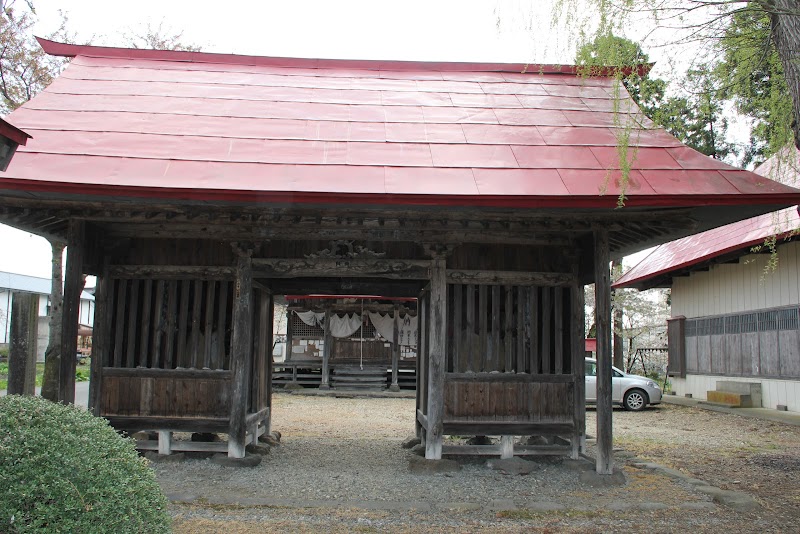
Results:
719 356
165 396
510 401
789 341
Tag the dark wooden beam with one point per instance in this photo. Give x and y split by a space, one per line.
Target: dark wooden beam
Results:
345 286
516 278
605 459
326 351
241 353
73 286
437 359
395 348
207 272
22 346
322 267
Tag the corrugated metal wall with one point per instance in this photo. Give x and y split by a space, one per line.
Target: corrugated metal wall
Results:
740 287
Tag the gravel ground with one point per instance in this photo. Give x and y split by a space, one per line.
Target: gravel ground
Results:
340 468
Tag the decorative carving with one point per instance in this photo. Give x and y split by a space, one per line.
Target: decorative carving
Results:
344 249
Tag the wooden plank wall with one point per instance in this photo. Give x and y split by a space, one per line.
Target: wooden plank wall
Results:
169 323
763 344
509 329
165 393
529 400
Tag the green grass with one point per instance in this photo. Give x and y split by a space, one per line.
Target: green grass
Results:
81 373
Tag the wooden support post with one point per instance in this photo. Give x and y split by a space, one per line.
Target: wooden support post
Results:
241 353
437 353
73 286
395 386
602 280
288 350
422 327
100 341
270 358
506 447
326 351
164 442
577 348
22 353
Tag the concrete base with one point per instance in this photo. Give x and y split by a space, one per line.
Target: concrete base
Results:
394 388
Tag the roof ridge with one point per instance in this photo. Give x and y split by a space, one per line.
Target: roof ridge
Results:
71 50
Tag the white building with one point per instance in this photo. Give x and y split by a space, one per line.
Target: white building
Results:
11 283
734 318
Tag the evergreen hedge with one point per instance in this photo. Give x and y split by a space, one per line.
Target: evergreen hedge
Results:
64 470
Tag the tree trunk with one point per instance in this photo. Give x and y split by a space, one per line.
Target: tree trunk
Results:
784 18
52 356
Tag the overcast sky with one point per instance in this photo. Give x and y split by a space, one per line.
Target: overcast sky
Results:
451 30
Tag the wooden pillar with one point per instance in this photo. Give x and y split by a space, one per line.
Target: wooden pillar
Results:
287 356
270 360
437 359
22 349
73 286
396 349
506 447
602 280
578 347
326 351
241 353
421 363
100 338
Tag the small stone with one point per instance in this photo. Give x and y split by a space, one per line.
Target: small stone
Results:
418 449
502 506
250 460
539 440
736 500
257 449
652 506
410 442
512 466
480 440
421 466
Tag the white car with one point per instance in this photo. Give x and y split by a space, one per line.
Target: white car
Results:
633 392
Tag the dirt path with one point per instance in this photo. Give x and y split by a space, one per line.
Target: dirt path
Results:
340 468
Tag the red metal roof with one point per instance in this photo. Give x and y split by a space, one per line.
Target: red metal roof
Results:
188 125
738 237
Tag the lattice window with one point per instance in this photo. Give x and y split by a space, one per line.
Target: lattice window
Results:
716 326
302 330
749 323
787 319
768 320
691 328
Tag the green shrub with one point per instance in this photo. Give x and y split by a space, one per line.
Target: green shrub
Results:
64 470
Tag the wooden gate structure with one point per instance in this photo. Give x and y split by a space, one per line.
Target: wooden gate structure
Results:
197 186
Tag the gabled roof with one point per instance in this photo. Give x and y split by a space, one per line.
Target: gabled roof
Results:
208 127
726 242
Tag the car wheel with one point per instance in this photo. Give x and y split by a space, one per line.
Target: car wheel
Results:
635 400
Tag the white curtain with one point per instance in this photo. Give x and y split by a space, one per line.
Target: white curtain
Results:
340 326
311 318
384 324
345 326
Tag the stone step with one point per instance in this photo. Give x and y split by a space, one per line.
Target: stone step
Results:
737 400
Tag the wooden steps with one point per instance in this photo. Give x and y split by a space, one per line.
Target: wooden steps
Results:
368 378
